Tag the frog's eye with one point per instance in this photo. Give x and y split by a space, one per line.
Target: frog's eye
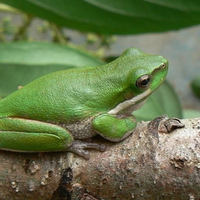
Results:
143 82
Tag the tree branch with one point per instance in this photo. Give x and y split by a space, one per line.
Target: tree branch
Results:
147 165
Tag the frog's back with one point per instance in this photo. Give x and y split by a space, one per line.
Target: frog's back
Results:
42 98
59 96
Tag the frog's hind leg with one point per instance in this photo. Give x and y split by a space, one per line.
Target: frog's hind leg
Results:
24 135
32 136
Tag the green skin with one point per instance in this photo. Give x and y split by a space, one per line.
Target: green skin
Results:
50 112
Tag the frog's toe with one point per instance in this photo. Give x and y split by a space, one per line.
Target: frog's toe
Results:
79 147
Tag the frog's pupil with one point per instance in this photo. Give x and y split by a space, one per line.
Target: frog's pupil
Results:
145 82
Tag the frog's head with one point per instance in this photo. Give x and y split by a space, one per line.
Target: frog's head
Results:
148 72
145 74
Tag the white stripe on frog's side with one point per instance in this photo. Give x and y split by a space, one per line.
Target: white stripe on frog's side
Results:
131 102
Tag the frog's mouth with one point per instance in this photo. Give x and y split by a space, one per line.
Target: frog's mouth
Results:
135 103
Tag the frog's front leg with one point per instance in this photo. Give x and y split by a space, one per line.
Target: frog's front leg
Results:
114 128
26 135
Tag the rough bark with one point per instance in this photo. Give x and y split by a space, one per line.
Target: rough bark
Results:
149 165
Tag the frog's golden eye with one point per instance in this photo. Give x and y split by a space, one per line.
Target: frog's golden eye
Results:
143 82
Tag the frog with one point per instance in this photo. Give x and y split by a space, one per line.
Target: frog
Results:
62 110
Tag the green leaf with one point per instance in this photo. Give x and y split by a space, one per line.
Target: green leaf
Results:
195 85
147 9
187 114
22 62
163 101
114 16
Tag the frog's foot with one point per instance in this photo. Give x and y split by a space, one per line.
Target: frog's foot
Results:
79 147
